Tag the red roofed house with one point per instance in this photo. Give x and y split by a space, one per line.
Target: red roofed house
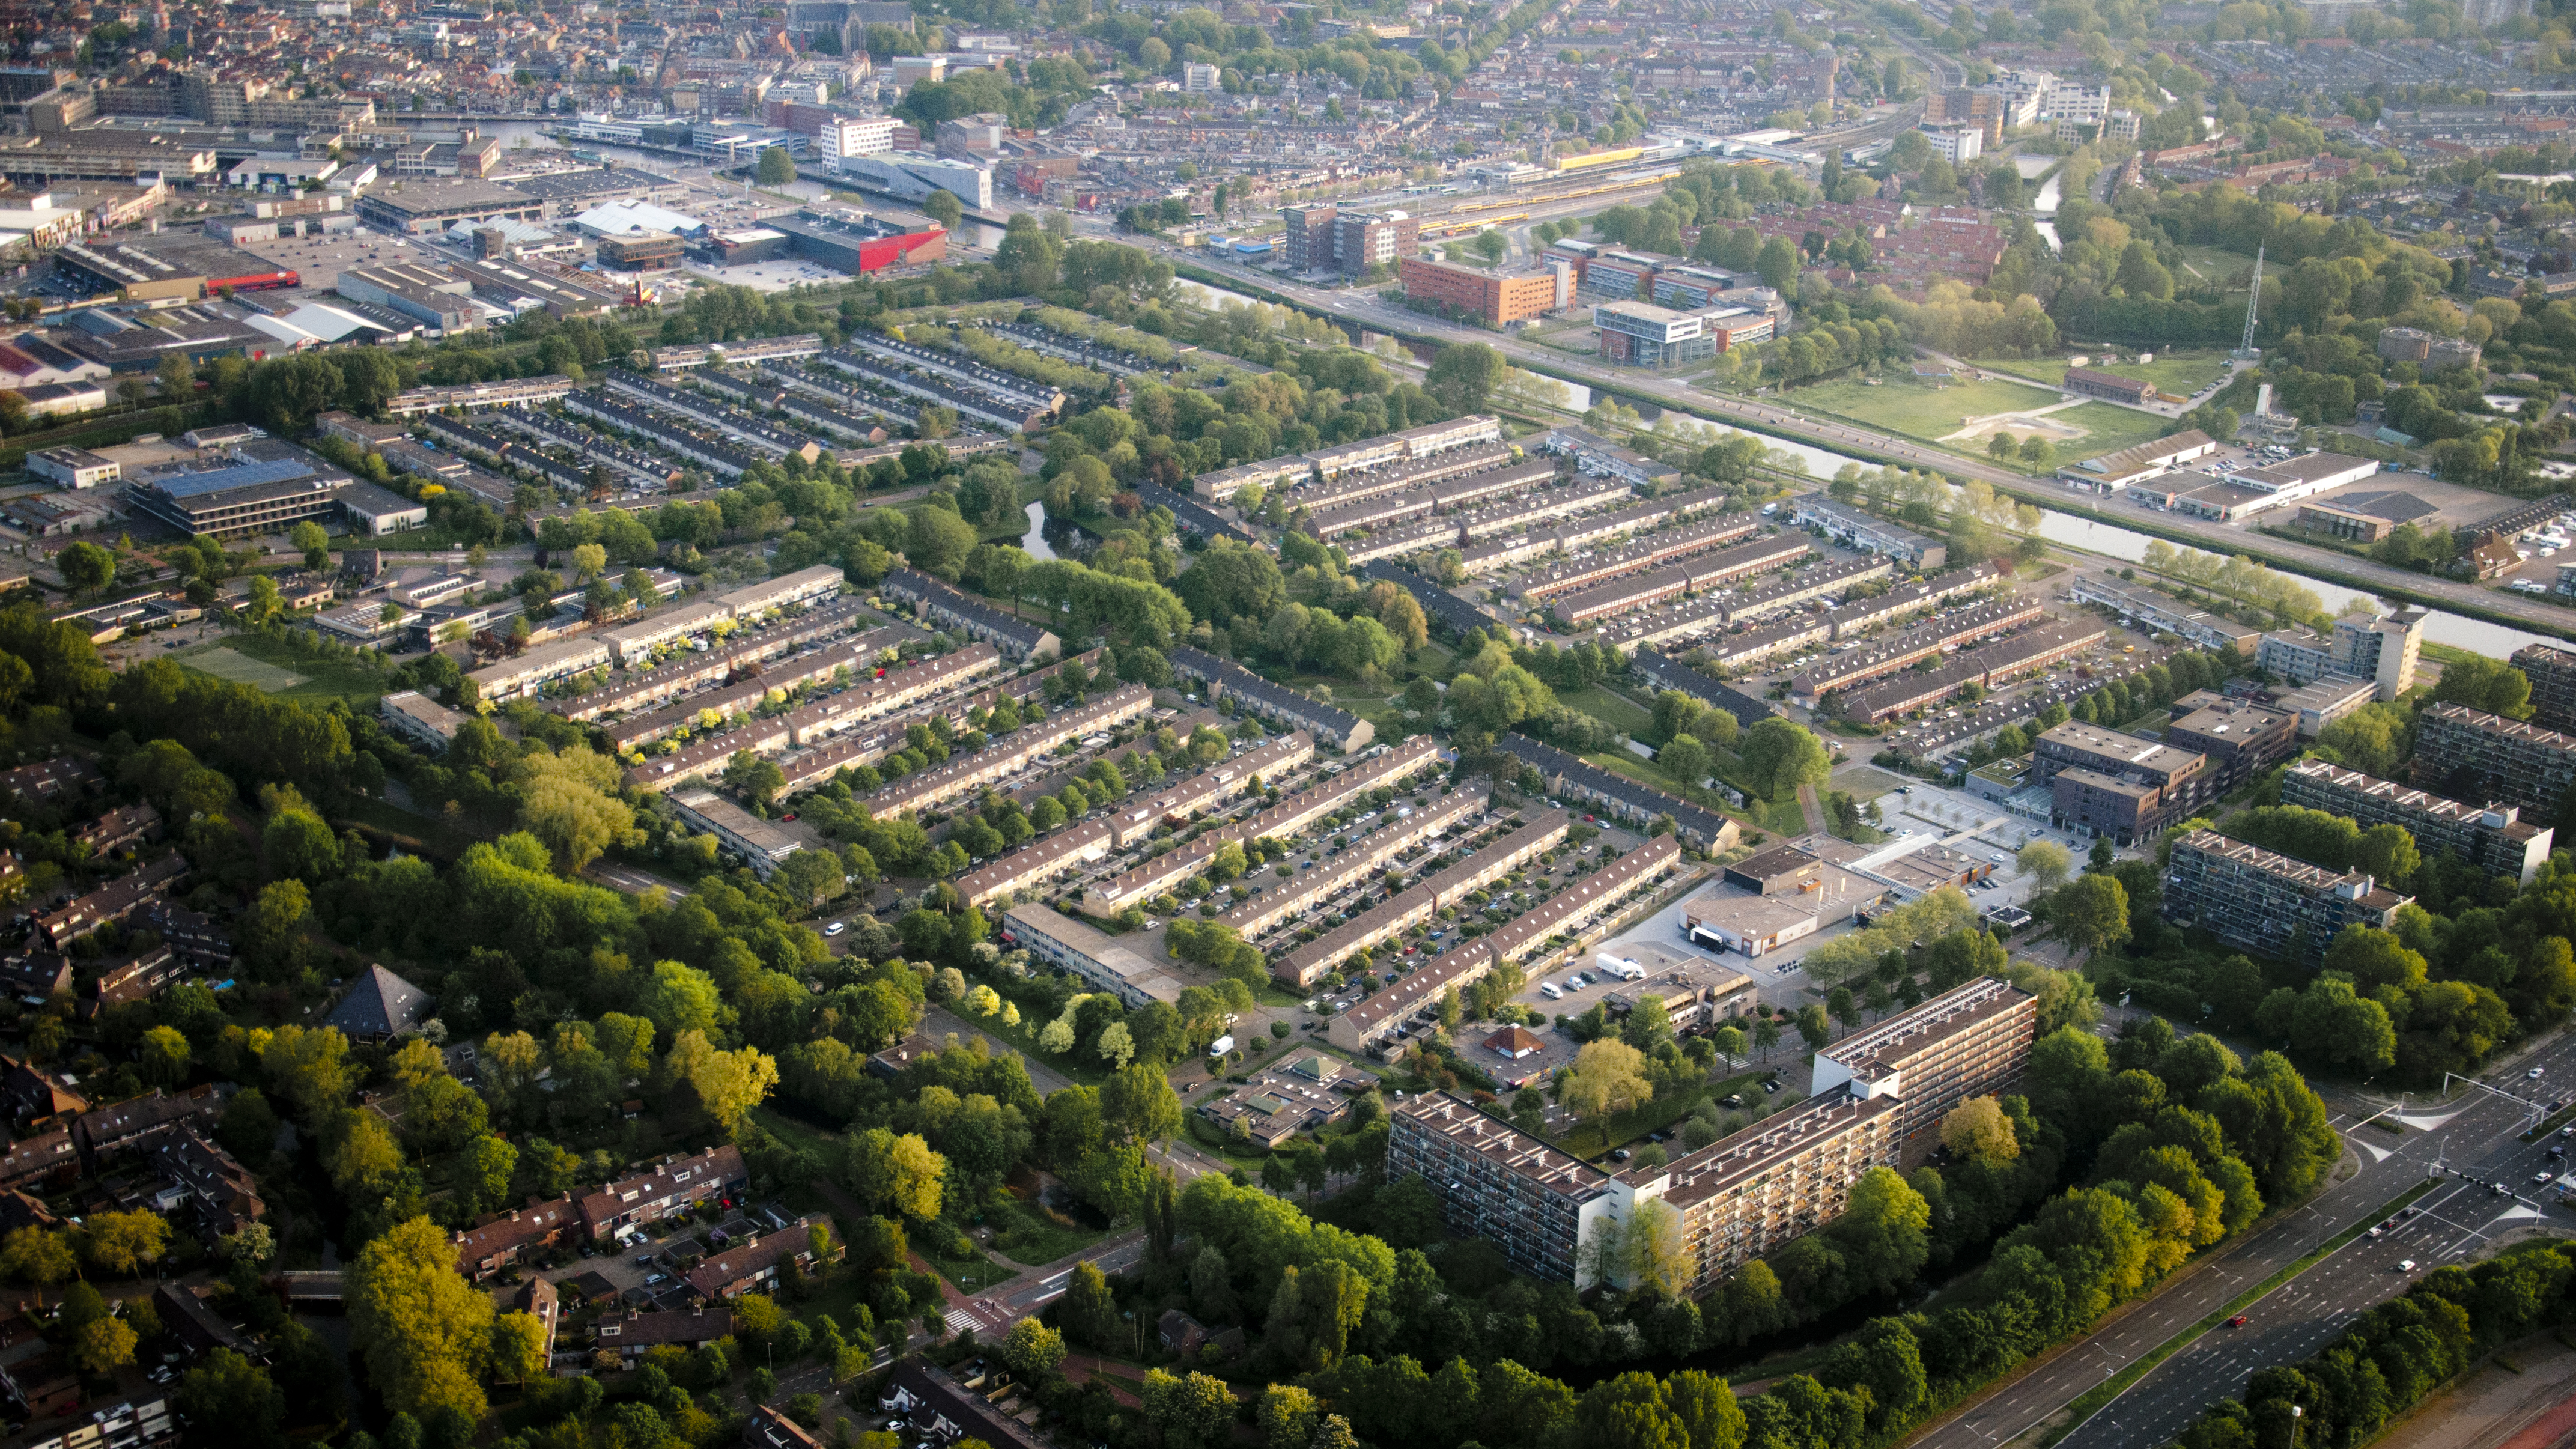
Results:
1514 1042
675 1186
497 1239
756 1263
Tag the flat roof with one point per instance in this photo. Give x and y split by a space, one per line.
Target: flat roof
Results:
1882 1048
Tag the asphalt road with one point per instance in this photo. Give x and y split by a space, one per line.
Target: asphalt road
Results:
1364 308
2451 1225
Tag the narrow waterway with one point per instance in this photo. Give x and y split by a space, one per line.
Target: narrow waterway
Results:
1034 542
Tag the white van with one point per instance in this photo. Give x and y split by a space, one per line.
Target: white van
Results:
1551 991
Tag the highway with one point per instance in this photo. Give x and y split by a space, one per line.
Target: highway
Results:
2455 1223
1780 419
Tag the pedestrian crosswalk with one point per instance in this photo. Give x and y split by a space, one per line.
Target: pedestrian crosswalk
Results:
959 1320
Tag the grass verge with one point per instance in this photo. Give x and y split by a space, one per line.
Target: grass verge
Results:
2551 1123
2095 1399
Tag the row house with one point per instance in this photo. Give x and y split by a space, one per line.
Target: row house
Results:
673 1186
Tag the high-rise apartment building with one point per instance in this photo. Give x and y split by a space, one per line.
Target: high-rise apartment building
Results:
2250 897
1740 1197
1955 1046
2382 649
1308 243
2552 672
2494 838
2469 755
1365 239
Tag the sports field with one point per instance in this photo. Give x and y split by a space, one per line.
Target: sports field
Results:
240 668
2179 373
1919 410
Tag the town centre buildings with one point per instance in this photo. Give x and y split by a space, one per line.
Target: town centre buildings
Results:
1741 1197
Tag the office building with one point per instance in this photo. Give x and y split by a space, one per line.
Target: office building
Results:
2116 785
1956 144
1497 296
2494 838
2552 672
1362 240
1739 1198
2469 755
2239 738
2250 897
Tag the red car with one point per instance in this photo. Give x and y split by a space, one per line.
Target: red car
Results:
2237 1322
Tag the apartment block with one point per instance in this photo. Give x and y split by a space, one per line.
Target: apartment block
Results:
1743 1196
1966 1042
2494 838
1308 241
2552 672
2250 897
2469 755
1098 958
2381 649
1362 240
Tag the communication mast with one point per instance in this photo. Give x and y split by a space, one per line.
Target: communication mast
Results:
2248 352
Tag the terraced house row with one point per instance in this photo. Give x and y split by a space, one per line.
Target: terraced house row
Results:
873 742
1494 477
1926 640
1642 553
1584 532
695 670
1724 610
1276 703
1985 666
1577 915
1745 1195
1359 861
1042 861
1406 458
949 608
1010 753
1523 508
1306 965
1689 576
777 732
1284 821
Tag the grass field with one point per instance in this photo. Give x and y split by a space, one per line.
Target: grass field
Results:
2107 429
265 664
2180 373
235 667
2213 265
1918 410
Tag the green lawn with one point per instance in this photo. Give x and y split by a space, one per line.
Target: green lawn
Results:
236 657
1028 1235
1611 709
1592 1140
2108 428
2181 373
1919 410
2213 264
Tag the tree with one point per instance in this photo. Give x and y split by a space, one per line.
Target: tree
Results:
165 1056
1608 1077
232 1403
777 168
1464 375
2045 862
425 1332
102 1346
1659 1256
1781 753
944 208
2092 912
310 541
119 1244
33 1255
1978 1130
1686 760
1033 1350
2387 854
518 1348
1192 1411
86 567
1288 1416
2488 685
